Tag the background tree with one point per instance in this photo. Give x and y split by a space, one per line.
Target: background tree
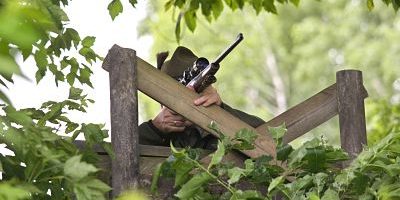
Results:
286 58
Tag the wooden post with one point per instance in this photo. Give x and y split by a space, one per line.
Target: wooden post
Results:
121 65
351 94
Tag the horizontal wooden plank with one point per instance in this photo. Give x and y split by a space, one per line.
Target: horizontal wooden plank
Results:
177 97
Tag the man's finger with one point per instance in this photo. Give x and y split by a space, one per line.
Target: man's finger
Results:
177 123
175 129
200 100
209 102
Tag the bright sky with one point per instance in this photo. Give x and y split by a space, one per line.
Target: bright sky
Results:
89 18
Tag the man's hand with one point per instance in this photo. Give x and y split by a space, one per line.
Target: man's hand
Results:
208 97
168 121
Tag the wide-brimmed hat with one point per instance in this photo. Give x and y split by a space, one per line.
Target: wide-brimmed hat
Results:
181 59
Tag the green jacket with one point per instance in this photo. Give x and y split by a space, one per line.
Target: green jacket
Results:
192 136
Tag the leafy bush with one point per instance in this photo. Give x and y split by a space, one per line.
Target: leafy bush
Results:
311 171
46 165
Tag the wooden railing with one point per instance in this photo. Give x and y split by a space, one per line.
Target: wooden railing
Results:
129 73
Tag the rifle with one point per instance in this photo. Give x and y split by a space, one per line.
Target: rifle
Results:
201 74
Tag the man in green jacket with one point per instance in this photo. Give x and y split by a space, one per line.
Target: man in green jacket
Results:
169 126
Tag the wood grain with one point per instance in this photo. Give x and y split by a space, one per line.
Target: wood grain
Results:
121 64
351 94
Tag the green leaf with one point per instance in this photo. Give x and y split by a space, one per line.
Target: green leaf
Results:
55 111
277 132
18 117
245 138
84 76
283 152
234 174
330 195
193 185
316 159
115 8
190 20
8 65
8 191
155 177
295 2
73 35
88 41
93 133
270 7
77 169
396 4
133 3
217 7
88 53
90 189
218 155
71 127
41 59
257 5
71 78
182 168
39 75
74 93
232 4
168 5
275 183
370 4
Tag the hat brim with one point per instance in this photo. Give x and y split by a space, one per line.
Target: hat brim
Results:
181 59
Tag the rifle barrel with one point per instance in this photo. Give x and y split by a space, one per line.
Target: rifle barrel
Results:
239 38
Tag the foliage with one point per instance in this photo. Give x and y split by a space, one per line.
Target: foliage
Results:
309 172
37 28
49 165
383 117
188 9
44 164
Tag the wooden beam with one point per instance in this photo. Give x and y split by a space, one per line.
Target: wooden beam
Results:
177 97
351 94
121 64
307 115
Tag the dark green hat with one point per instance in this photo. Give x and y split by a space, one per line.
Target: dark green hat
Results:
181 59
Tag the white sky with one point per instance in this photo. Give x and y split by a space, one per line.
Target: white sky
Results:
89 18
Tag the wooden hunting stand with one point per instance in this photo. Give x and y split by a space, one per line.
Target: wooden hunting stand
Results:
133 163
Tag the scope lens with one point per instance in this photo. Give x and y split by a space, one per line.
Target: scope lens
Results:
201 63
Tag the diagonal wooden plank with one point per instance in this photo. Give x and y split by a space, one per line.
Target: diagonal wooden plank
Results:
177 97
307 115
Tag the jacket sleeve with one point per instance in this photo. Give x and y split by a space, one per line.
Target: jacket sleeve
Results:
150 135
252 120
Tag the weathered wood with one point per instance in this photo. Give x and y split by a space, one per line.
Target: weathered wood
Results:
351 94
307 115
144 150
164 89
121 64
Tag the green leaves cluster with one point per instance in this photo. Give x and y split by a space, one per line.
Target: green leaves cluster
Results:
48 164
312 172
36 28
188 10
